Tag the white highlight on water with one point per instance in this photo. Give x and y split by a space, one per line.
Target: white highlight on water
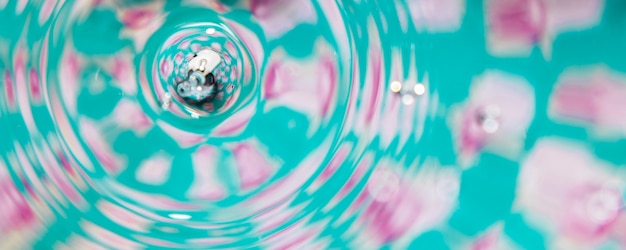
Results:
180 216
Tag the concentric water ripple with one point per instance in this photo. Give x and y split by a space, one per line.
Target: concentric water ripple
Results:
332 125
106 151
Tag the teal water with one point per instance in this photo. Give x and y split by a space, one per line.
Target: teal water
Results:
307 145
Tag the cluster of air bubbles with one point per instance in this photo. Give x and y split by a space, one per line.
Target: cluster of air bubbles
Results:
197 86
200 84
409 91
166 101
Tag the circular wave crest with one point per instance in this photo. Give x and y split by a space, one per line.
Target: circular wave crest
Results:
315 127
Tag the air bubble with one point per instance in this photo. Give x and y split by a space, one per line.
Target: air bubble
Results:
419 89
408 99
603 206
166 101
408 91
490 125
396 86
488 119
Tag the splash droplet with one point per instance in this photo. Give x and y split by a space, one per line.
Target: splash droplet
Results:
419 89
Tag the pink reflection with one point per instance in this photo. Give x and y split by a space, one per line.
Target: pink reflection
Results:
122 216
154 170
206 184
298 235
582 208
183 138
399 207
500 109
122 71
35 88
100 146
15 212
305 86
486 242
437 15
515 26
46 10
137 18
593 98
253 167
8 88
129 114
236 123
70 71
521 22
279 16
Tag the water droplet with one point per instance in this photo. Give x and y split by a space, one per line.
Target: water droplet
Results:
488 118
408 91
407 99
396 86
490 126
419 89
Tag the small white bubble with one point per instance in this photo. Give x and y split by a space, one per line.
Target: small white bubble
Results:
419 89
210 31
603 206
488 118
407 99
396 86
490 125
